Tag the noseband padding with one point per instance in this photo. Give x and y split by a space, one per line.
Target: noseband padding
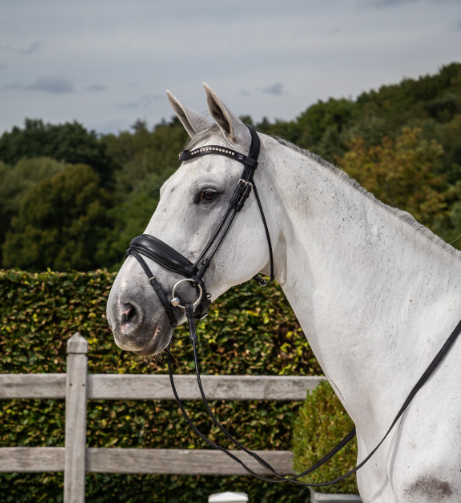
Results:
163 254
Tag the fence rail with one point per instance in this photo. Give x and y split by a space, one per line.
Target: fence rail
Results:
77 386
157 387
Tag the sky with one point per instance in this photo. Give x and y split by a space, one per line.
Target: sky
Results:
107 63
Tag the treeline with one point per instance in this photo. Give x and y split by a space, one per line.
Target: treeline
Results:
70 199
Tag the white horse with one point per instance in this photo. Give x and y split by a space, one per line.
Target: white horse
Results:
376 294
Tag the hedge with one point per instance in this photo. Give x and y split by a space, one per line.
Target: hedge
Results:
249 330
322 422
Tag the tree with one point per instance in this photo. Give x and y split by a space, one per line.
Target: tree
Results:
70 143
404 173
16 181
145 152
129 219
60 223
323 115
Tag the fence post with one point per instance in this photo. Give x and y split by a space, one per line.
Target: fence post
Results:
76 393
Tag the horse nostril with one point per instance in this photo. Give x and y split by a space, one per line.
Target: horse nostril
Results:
128 315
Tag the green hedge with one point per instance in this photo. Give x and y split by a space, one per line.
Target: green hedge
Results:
250 330
322 423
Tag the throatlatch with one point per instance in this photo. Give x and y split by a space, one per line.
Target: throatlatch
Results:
172 260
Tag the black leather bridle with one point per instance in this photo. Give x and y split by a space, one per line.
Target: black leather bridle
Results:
172 260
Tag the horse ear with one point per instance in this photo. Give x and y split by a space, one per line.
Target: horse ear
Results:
232 127
192 121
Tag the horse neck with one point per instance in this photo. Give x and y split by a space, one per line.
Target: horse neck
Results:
375 297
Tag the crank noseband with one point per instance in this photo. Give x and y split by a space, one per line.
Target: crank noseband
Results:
173 261
170 259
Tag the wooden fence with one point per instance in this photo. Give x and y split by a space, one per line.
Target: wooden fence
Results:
77 386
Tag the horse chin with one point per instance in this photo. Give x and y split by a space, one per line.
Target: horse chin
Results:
143 337
159 341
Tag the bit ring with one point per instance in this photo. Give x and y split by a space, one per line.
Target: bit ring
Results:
175 302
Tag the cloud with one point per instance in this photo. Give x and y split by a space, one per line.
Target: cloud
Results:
53 85
3 66
129 104
33 47
275 89
95 87
13 85
142 102
389 3
458 26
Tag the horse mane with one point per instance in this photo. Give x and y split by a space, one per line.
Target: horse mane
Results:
342 175
400 214
202 136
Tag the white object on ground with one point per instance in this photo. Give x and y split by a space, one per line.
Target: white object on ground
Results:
228 497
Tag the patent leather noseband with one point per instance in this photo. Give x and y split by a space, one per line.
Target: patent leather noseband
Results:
171 260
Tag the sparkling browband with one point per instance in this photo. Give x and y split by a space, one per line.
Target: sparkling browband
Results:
207 149
185 155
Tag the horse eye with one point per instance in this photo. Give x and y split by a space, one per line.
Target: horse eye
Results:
208 194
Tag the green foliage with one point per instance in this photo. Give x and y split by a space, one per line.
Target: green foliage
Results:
449 135
129 218
132 165
60 222
432 103
322 423
322 116
143 152
147 158
394 100
112 488
16 181
249 331
70 143
404 174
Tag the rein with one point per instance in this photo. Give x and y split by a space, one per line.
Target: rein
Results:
193 273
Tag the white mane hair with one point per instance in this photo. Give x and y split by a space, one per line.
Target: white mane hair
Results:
204 135
401 214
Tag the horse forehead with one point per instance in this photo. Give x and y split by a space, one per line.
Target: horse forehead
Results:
190 175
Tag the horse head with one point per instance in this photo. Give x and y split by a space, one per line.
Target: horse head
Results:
148 298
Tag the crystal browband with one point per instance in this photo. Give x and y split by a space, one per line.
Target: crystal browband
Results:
186 155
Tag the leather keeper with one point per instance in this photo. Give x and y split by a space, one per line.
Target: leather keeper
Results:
245 196
240 189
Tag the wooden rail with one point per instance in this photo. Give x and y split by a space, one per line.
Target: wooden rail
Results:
157 387
77 386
